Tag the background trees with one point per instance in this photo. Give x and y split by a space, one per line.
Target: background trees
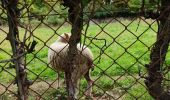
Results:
117 8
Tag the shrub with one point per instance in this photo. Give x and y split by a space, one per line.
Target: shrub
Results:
54 19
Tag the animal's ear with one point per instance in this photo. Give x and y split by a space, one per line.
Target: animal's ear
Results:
66 35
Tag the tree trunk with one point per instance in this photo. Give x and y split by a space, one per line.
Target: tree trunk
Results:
17 48
76 19
158 54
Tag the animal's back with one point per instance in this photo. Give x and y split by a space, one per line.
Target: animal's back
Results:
87 54
58 52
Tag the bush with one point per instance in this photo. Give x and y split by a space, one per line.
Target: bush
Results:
120 8
57 15
55 19
52 15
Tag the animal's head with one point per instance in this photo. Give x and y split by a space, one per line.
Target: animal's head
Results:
64 38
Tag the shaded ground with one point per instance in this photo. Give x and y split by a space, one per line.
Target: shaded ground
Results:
50 91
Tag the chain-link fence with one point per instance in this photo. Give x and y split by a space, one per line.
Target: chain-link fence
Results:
117 48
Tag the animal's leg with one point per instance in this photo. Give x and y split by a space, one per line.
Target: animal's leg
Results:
58 79
90 82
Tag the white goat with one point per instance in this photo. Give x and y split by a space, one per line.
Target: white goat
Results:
84 60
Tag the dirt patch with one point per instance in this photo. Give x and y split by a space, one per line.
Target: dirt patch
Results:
8 88
40 86
49 90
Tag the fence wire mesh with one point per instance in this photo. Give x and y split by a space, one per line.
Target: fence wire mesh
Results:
116 31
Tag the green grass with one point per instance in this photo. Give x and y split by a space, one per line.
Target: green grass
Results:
119 62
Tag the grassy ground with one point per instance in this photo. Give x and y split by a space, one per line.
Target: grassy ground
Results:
116 75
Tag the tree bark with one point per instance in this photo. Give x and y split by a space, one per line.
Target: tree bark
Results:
76 19
158 54
17 48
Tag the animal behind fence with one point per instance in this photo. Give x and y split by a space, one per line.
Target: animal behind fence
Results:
84 60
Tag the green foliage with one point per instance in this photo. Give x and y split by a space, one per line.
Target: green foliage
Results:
51 13
7 97
57 15
85 2
55 20
60 94
121 3
36 10
104 11
136 4
39 3
122 8
54 13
